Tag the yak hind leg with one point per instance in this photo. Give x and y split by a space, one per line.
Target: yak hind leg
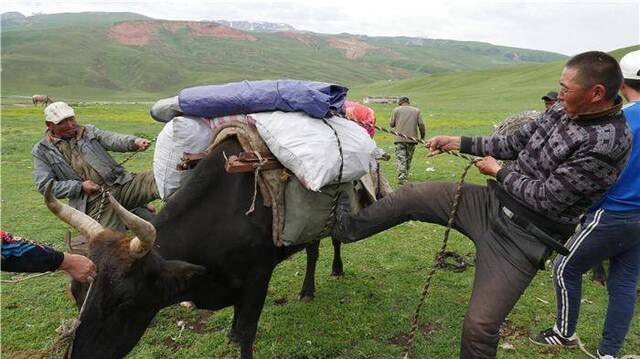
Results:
599 275
232 336
247 311
308 291
336 267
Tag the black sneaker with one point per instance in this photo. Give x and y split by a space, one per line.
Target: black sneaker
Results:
340 231
549 337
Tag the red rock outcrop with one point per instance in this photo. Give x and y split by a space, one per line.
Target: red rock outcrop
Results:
353 47
139 33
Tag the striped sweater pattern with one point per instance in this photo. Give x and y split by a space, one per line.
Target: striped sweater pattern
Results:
561 166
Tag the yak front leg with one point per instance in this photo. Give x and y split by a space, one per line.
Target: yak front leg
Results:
308 291
336 266
248 309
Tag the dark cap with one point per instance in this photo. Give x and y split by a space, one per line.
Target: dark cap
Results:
403 99
550 96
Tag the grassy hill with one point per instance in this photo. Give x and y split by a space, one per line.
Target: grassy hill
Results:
502 90
365 314
129 56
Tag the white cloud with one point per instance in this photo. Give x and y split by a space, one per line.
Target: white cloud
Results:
567 27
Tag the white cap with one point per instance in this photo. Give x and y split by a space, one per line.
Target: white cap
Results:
630 65
57 112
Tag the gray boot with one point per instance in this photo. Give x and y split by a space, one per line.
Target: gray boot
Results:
340 230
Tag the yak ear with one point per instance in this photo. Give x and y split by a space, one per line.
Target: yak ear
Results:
176 277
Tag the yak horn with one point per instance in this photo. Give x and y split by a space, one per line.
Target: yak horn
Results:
88 226
145 232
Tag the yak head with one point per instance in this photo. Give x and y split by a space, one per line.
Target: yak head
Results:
132 283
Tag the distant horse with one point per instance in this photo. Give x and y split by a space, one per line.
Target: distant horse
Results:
41 99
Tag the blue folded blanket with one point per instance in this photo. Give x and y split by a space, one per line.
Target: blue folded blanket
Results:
317 99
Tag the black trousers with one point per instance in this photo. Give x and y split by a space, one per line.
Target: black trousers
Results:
507 257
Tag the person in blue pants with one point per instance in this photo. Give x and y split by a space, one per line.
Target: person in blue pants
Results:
609 230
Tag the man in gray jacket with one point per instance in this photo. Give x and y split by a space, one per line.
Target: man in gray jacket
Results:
75 157
406 120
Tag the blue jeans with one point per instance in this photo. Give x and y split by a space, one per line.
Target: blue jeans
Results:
602 235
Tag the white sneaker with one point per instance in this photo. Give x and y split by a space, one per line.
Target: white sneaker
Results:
187 304
604 356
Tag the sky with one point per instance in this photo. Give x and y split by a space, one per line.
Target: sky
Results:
567 27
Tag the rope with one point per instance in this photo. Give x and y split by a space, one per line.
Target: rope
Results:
105 190
457 263
67 330
331 219
256 173
335 133
584 350
14 281
135 153
441 254
454 153
587 353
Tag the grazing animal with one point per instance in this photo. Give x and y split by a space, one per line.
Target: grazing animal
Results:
201 247
41 100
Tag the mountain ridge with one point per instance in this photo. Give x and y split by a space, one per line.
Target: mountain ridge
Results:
100 53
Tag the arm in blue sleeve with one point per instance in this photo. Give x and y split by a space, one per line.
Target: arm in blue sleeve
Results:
26 256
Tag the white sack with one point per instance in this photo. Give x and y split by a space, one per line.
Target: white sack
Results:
182 134
166 109
309 149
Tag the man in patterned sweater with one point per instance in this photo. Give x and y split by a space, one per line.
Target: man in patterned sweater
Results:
561 163
609 230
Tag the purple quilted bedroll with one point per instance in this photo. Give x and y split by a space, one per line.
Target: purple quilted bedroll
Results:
317 99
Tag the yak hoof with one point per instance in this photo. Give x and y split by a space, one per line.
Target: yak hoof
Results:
306 298
600 279
337 273
187 304
232 338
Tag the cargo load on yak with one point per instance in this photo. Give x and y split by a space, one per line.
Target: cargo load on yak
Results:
365 116
301 153
317 99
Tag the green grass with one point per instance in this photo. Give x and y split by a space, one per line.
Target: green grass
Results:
364 314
